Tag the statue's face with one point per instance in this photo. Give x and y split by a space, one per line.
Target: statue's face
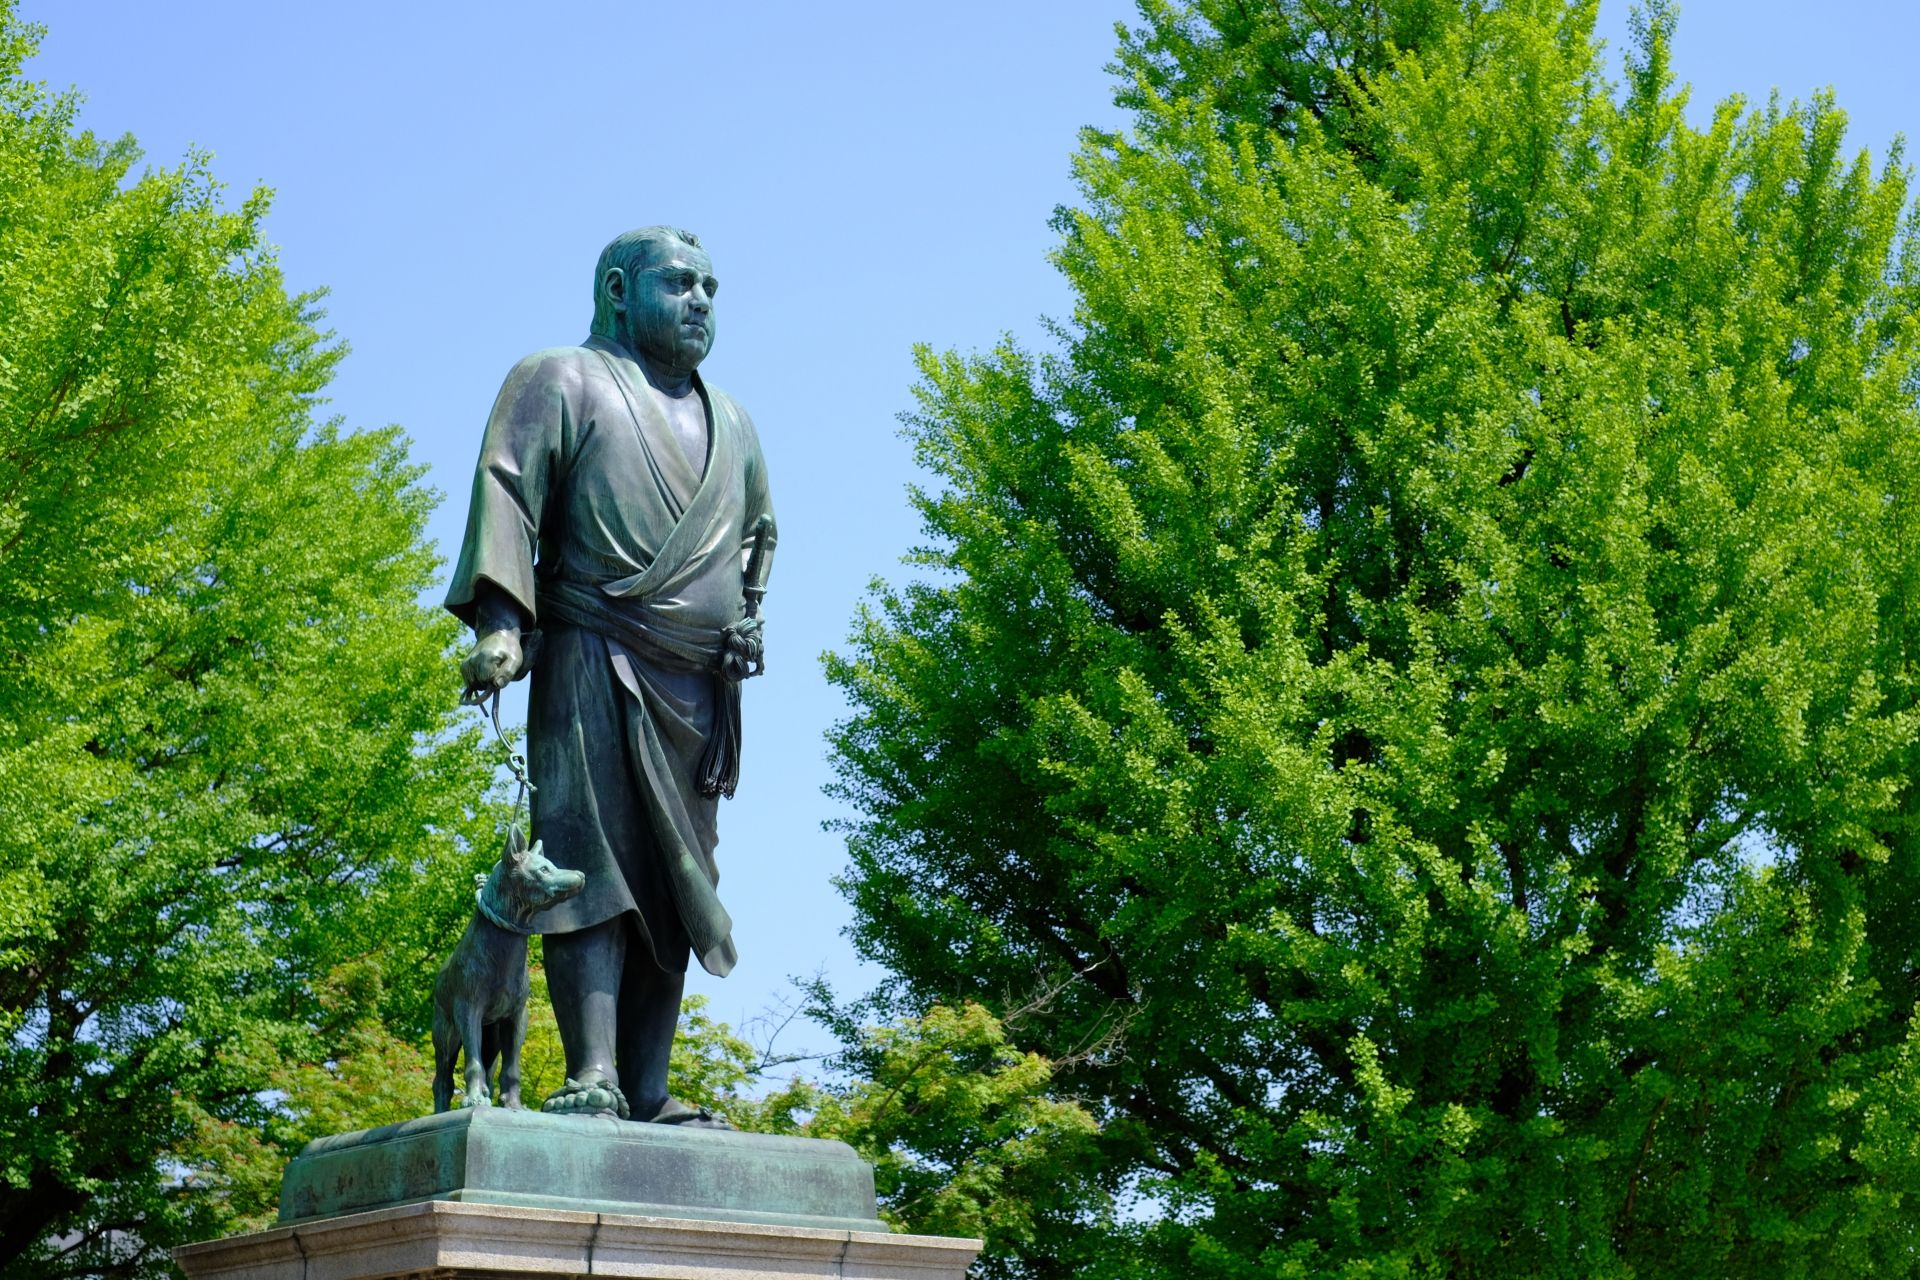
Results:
669 308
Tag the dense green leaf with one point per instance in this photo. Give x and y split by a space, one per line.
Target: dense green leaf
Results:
1430 661
229 767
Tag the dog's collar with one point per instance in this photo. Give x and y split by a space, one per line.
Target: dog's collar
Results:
486 909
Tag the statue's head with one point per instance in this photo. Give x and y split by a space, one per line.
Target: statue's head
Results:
653 293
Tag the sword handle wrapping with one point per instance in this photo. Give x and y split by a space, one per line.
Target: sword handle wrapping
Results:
755 588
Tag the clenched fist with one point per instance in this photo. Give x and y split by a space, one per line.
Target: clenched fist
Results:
493 662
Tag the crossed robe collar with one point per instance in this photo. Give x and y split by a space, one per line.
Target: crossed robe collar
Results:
696 501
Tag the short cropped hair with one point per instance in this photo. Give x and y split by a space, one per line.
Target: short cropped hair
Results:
629 251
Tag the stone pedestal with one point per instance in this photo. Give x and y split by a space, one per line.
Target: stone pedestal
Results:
442 1238
497 1193
595 1164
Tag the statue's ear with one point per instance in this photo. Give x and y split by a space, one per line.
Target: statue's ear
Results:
615 282
516 842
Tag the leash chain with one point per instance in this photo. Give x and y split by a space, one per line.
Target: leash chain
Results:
488 700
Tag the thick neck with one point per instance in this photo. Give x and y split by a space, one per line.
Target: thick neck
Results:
493 908
666 382
669 382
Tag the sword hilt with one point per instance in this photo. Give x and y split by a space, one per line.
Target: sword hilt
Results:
755 588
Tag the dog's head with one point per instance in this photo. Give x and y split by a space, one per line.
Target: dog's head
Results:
529 881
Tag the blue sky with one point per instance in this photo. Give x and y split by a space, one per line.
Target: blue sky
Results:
866 176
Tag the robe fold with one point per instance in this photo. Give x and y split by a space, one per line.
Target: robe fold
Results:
588 514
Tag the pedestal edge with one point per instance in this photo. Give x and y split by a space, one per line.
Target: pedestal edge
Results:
503 1156
508 1239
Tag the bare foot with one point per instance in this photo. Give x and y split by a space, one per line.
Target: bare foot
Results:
593 1094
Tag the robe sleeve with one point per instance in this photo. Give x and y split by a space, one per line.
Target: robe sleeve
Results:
521 464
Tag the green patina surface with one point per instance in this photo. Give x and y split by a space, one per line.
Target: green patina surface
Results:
592 1164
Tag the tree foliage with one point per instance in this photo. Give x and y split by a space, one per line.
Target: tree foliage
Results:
229 771
959 1124
1432 658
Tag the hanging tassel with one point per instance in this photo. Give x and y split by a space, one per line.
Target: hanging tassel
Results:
740 658
720 765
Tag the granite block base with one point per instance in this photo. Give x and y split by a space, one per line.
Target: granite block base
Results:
467 1241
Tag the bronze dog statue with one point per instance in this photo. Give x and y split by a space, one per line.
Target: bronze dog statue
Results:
480 997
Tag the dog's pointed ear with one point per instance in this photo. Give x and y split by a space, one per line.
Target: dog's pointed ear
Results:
516 845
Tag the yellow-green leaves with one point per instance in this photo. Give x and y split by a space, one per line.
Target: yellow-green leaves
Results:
1435 649
228 757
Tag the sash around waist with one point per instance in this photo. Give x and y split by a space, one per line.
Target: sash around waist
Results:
673 646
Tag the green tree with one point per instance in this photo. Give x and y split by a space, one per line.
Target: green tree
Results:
958 1123
229 768
1432 659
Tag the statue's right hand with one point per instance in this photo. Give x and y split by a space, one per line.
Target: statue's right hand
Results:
493 662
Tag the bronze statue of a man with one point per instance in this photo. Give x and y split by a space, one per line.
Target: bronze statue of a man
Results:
617 506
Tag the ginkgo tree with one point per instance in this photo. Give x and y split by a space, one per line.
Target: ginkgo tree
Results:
230 773
1430 661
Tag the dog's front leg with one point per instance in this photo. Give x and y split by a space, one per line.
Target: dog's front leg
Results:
467 1014
513 1033
446 1049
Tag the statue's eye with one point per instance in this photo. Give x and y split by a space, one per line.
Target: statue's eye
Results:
713 286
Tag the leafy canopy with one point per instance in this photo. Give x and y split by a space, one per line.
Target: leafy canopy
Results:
1431 663
228 765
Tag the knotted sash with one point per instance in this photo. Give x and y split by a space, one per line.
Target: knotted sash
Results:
727 655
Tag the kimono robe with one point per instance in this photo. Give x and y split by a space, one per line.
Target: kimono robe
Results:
588 513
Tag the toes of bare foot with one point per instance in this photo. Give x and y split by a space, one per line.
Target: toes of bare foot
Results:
588 1096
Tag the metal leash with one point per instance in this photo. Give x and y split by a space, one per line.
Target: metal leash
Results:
488 700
